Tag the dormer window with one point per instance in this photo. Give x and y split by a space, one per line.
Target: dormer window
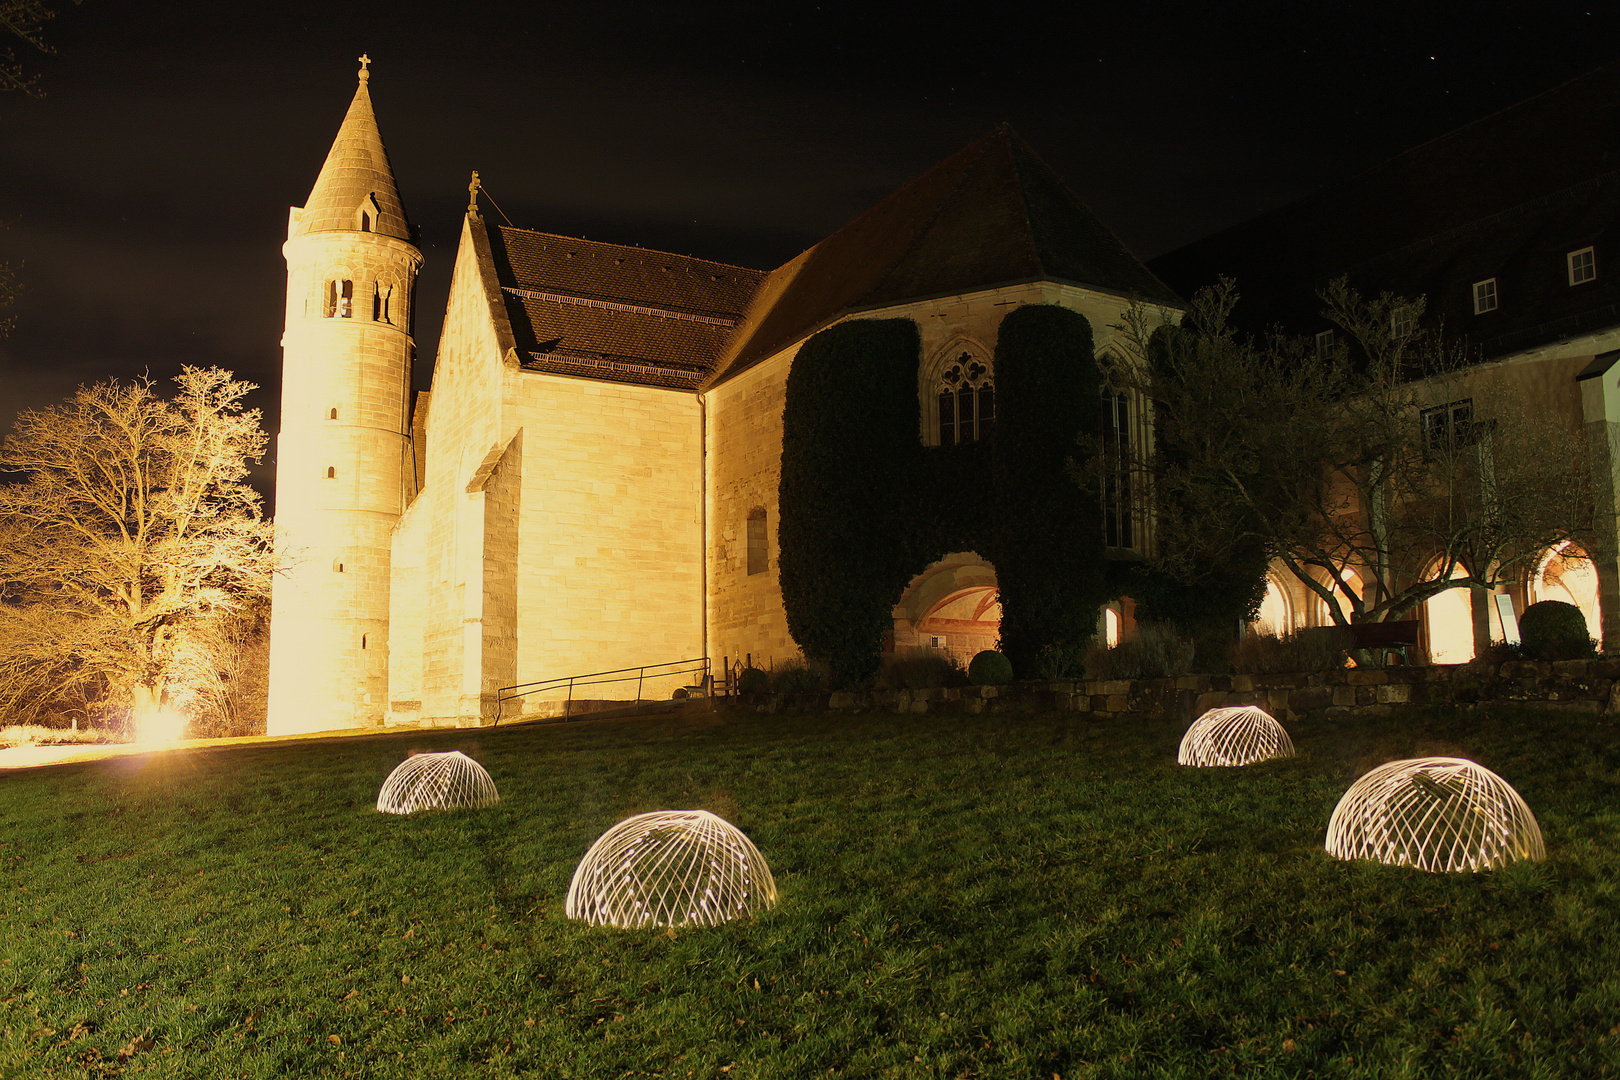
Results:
339 299
1484 296
966 394
365 218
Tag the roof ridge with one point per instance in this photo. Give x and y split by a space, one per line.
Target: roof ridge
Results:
630 247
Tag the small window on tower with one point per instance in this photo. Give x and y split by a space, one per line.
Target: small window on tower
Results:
363 639
337 566
331 472
345 299
380 297
756 541
332 415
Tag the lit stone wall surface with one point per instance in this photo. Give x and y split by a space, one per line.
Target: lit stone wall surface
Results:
607 566
341 457
466 430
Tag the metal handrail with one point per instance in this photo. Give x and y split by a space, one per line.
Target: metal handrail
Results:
699 665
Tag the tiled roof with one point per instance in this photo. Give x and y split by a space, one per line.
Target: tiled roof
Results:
614 312
1508 197
992 214
356 166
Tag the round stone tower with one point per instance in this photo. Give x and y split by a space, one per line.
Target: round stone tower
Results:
343 459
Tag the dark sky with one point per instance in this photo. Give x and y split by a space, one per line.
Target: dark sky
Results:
147 193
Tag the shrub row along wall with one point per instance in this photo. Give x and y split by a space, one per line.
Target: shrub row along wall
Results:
1583 685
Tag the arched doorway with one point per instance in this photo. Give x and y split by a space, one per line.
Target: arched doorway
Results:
1566 573
1448 619
953 606
1276 613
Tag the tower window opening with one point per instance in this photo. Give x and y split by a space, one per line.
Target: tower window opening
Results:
331 472
967 401
332 415
363 638
365 221
380 299
337 566
339 299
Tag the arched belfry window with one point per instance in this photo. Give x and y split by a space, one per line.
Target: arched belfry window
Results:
339 299
381 299
965 397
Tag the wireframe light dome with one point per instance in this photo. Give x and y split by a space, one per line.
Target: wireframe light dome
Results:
448 781
1240 736
670 868
1437 814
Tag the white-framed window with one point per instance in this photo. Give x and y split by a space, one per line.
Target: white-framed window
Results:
1324 342
1449 427
1484 296
1582 266
1403 321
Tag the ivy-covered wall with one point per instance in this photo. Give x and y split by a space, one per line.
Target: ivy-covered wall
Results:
865 507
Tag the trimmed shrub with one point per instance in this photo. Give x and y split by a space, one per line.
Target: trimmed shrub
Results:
920 669
1156 651
753 681
990 668
1554 630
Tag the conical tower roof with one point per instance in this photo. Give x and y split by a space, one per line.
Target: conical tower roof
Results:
356 167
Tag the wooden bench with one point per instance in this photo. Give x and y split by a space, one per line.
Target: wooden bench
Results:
1386 637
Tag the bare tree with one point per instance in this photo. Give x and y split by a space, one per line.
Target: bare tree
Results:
1387 454
128 543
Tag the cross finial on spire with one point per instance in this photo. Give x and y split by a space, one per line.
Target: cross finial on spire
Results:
365 68
472 194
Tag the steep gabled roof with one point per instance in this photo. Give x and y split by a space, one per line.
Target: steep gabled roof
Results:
609 311
992 214
356 166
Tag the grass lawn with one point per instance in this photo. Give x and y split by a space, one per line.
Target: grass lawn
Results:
990 896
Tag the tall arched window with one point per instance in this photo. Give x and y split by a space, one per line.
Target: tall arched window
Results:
966 394
339 299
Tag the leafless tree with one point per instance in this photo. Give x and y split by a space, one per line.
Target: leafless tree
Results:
129 543
1362 455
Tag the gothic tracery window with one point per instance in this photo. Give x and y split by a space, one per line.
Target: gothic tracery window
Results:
967 400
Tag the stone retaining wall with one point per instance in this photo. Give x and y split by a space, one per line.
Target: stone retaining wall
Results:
1582 685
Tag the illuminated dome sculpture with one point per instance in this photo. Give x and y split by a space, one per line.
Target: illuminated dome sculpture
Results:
450 781
670 868
1437 814
1240 736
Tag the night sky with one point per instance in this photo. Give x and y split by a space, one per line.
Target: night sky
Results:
146 195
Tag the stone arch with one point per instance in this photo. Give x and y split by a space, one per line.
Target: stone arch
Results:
1276 610
1448 619
1565 572
953 605
1319 615
931 373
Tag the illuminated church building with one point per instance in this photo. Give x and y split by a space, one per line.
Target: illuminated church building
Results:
590 482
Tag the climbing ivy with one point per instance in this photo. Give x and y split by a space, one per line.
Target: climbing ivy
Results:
865 507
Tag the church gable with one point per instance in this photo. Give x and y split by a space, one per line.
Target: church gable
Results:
617 313
991 215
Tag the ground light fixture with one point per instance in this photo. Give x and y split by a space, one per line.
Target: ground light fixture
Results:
449 781
670 868
1438 814
1237 736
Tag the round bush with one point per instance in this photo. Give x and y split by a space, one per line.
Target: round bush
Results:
990 668
753 681
1554 630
